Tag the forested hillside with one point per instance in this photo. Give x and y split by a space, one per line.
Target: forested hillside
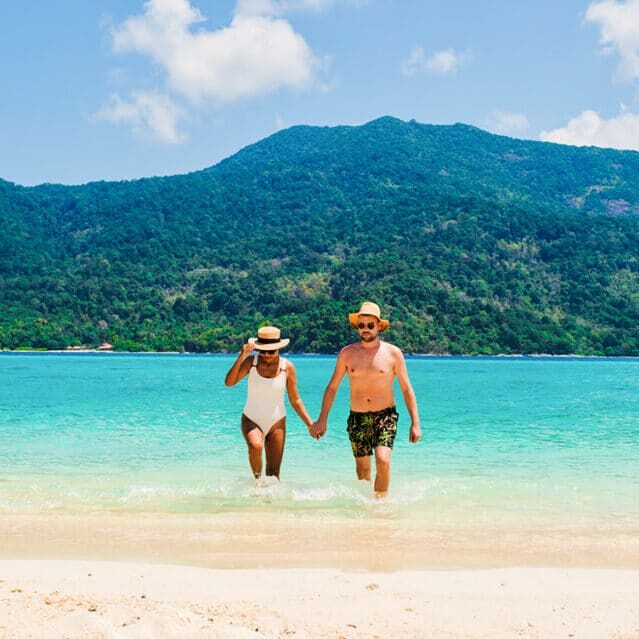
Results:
470 242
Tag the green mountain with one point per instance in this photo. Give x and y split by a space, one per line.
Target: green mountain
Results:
471 243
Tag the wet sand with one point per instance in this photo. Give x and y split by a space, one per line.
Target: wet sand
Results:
271 540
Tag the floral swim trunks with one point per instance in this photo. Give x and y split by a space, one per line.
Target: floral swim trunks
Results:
369 430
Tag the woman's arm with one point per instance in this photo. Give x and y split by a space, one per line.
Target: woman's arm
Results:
240 367
294 396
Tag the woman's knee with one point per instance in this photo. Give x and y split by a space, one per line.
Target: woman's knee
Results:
255 446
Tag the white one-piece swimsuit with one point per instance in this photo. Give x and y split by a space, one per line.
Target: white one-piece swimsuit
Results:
265 398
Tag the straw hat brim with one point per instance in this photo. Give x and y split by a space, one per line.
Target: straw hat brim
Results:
273 346
353 318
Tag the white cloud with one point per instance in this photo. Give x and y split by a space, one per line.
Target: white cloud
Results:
442 62
590 129
619 22
254 55
506 122
151 115
281 7
281 122
447 61
414 62
258 53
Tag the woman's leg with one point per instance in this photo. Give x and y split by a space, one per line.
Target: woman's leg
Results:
255 441
274 444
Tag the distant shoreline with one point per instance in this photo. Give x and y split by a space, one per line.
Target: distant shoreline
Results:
95 351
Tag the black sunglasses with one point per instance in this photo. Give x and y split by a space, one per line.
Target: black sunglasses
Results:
267 352
368 325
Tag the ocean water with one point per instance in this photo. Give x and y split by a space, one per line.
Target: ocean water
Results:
506 440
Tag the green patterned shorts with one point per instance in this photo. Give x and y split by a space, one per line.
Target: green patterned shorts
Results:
367 431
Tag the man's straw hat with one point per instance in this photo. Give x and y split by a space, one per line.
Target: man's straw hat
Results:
368 308
268 339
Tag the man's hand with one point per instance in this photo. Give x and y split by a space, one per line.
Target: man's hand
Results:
318 429
415 433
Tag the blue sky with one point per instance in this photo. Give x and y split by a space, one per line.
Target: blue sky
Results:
125 89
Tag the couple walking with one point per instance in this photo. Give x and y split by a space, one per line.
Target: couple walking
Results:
371 365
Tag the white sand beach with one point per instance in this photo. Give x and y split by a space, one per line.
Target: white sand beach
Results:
80 599
99 575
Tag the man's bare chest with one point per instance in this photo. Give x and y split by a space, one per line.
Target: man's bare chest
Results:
369 368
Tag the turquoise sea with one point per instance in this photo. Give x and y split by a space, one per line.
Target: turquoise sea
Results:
541 440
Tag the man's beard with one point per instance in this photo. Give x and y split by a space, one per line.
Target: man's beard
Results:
368 338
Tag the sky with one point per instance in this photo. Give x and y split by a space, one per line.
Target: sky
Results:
122 89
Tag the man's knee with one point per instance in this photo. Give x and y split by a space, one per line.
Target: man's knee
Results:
383 457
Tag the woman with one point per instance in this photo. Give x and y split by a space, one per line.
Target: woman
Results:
264 416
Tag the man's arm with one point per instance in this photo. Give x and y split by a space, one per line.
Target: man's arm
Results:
409 398
319 427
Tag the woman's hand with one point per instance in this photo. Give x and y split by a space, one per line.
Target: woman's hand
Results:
247 348
240 367
318 429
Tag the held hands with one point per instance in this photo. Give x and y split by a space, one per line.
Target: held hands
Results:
415 433
317 429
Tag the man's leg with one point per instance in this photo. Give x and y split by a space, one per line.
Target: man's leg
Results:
363 467
274 445
255 441
359 437
382 470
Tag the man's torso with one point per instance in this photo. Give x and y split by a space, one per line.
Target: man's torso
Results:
371 372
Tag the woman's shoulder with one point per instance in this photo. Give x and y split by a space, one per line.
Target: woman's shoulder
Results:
249 362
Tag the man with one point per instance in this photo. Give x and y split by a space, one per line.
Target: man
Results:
371 366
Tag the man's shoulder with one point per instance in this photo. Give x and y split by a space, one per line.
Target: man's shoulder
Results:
349 351
349 348
391 348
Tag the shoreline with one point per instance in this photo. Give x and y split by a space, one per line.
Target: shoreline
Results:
270 575
243 540
408 355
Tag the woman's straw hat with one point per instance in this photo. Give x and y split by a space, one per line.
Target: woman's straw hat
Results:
368 308
268 339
